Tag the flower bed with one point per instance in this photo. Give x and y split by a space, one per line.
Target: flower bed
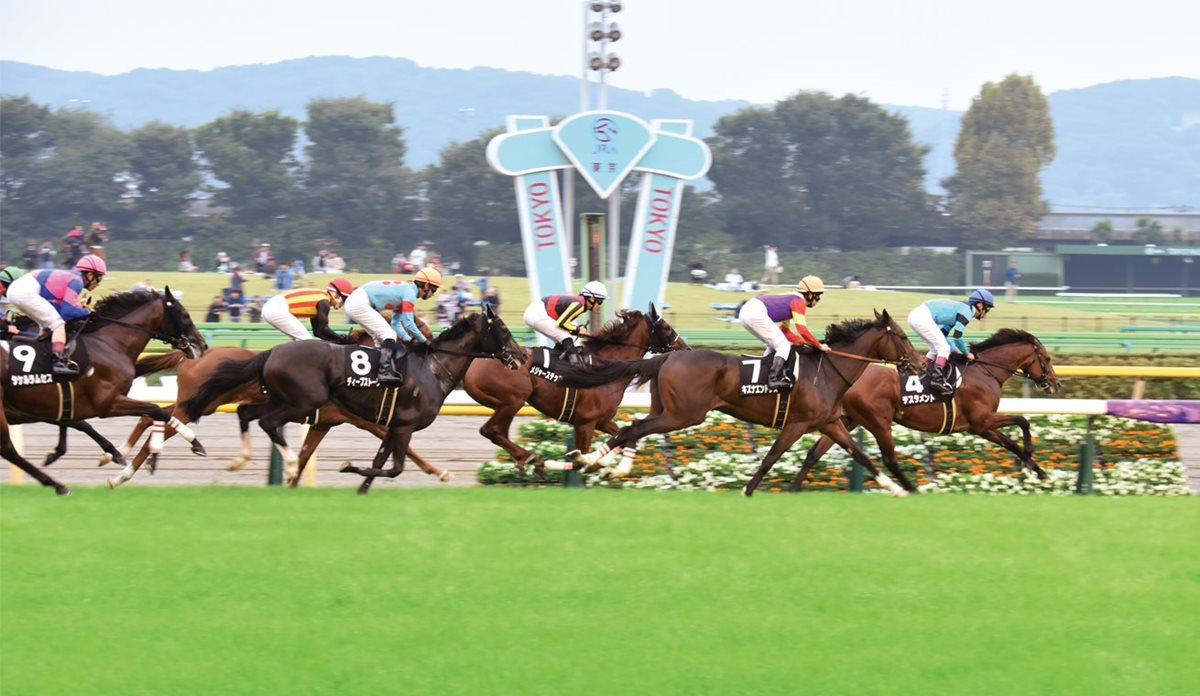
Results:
1136 458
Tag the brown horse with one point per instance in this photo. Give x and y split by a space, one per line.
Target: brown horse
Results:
685 386
193 374
874 403
117 330
302 376
631 335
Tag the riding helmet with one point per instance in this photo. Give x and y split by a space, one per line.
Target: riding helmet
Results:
92 263
429 276
10 273
341 286
596 289
981 295
811 283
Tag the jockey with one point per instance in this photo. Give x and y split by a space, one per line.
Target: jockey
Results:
941 323
285 310
553 316
7 275
52 298
365 303
779 321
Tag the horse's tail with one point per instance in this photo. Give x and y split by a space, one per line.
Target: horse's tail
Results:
226 377
157 363
585 376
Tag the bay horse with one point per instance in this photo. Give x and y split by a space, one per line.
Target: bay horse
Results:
115 333
685 386
193 374
302 376
874 403
631 335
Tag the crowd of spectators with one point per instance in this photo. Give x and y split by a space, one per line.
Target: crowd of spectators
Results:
69 248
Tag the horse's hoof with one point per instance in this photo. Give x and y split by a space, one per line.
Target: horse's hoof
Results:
62 490
574 455
347 468
900 493
237 463
152 462
105 458
198 449
110 484
447 476
747 491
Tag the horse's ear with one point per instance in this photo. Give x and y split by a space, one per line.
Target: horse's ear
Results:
885 315
876 313
489 312
167 294
653 312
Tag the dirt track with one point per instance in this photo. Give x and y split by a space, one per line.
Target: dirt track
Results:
452 442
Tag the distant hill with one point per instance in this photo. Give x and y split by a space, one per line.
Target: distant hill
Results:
1124 144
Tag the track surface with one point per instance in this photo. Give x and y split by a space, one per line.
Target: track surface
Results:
452 442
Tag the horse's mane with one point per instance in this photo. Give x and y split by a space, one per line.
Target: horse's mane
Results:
847 331
1004 337
616 330
118 305
458 329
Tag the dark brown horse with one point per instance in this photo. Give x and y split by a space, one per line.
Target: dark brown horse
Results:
631 335
874 403
194 373
301 377
685 386
117 331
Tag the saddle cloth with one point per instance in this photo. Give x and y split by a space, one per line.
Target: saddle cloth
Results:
753 369
29 362
545 362
915 390
361 366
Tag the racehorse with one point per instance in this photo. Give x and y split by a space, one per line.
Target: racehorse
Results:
631 335
304 375
874 402
116 331
193 374
685 386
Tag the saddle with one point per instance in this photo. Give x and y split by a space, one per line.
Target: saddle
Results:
546 361
29 360
915 389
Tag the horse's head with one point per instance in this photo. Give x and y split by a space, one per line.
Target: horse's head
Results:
663 337
178 328
893 344
1044 377
498 341
1019 351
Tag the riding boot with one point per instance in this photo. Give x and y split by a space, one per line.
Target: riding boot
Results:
62 366
389 376
568 351
777 376
938 379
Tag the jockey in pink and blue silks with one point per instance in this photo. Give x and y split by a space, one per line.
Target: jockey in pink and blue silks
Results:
52 298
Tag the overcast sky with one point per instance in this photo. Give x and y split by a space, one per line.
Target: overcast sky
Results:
904 52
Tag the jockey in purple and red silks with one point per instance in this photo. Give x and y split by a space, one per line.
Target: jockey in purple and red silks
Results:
52 298
779 321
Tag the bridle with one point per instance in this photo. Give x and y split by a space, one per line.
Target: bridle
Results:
657 342
177 339
503 354
1043 367
903 364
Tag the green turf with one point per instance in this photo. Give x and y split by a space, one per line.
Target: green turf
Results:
481 591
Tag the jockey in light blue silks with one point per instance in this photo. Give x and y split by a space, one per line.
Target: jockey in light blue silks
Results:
941 324
365 303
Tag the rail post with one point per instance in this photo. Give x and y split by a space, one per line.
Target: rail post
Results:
1087 456
275 470
572 478
857 473
15 475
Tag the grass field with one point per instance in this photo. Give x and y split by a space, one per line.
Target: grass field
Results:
482 591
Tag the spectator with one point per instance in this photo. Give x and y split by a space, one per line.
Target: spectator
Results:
318 261
1012 281
46 254
696 271
30 257
298 269
418 256
398 263
771 267
254 309
262 259
283 278
236 303
491 298
185 262
222 262
851 282
483 281
334 263
96 238
143 285
236 279
734 279
215 308
72 246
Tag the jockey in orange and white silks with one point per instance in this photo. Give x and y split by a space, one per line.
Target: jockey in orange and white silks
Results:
53 297
780 321
554 316
285 310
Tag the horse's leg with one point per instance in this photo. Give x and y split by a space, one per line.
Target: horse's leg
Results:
8 450
272 422
443 475
814 455
110 451
396 444
496 429
314 437
787 437
836 430
134 435
125 406
1009 444
887 449
60 448
246 413
381 457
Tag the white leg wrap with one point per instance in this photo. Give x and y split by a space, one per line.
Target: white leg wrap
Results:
156 436
591 458
184 431
626 465
885 482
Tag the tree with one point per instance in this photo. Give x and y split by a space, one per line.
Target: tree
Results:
21 141
356 182
164 170
1149 231
1007 138
1102 232
819 171
252 154
79 173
